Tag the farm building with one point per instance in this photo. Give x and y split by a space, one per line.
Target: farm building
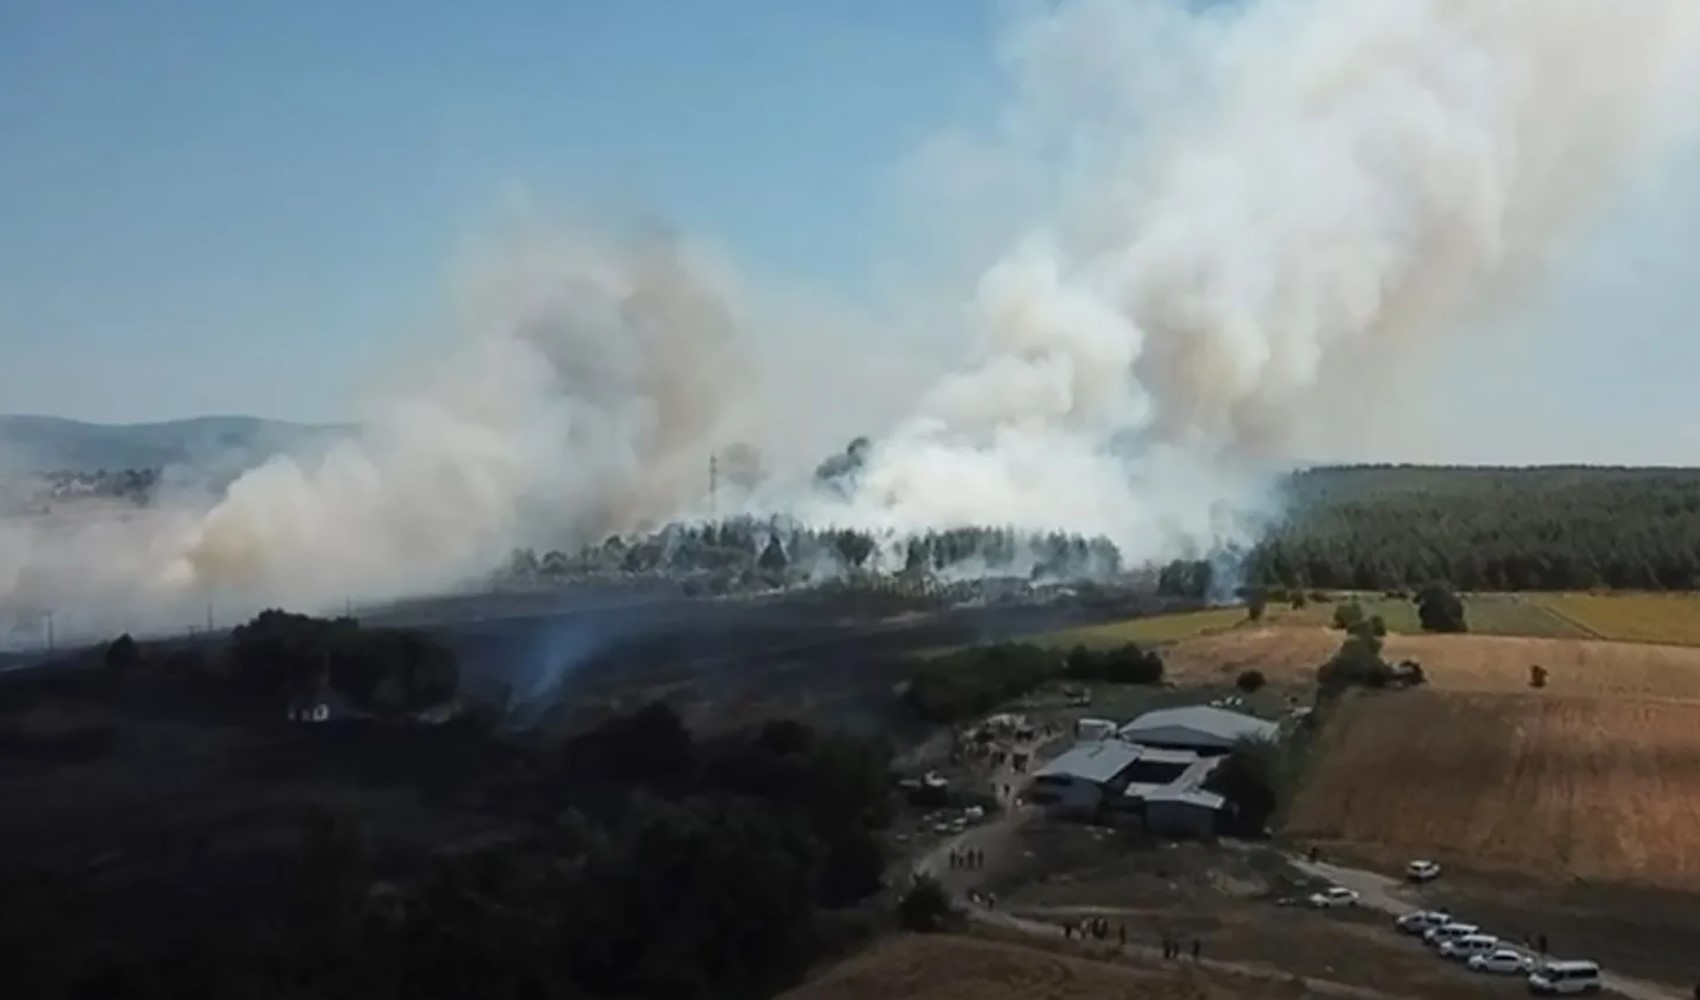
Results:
1198 728
1193 813
1156 790
1075 784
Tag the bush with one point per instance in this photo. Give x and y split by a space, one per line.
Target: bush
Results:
1246 778
1126 665
1250 681
974 681
925 907
1348 616
123 654
1440 609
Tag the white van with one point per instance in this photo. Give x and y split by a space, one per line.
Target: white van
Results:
1565 978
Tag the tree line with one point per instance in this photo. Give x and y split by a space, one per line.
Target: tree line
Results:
281 658
719 867
1554 528
747 552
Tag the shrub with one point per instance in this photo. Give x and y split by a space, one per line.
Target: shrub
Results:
925 907
1250 681
1127 665
1348 616
972 681
1440 609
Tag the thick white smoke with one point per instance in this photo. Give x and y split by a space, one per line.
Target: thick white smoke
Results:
1264 208
1258 215
585 385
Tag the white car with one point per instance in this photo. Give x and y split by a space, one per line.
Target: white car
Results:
1422 921
1422 871
1333 896
1468 946
1502 961
1437 936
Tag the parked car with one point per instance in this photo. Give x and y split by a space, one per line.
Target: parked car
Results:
1422 921
1564 978
1333 896
1467 946
1437 936
1422 871
1502 961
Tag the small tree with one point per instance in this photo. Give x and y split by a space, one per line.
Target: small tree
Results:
925 907
1348 616
1246 778
123 653
1440 609
1250 681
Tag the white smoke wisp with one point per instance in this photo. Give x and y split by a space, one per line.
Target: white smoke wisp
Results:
1264 207
580 398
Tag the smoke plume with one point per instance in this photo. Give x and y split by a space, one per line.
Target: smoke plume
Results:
1265 209
1257 216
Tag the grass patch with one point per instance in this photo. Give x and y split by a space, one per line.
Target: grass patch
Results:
1487 614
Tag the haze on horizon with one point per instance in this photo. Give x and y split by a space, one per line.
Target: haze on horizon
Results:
550 256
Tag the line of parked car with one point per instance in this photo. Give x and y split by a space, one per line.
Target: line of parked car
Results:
1483 952
1468 943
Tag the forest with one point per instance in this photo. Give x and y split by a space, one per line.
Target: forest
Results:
1341 528
1549 528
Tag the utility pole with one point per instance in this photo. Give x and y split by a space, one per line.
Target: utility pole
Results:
209 618
49 617
713 485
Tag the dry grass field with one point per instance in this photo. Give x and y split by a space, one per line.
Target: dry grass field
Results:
950 967
1152 630
1603 789
1662 618
1463 663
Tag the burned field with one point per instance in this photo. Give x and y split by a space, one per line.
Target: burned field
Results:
144 791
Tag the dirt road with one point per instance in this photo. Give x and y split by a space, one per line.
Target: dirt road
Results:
1379 892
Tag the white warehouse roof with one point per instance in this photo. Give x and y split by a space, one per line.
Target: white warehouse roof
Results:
1098 761
1216 725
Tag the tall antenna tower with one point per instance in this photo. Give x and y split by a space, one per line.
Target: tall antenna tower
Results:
713 485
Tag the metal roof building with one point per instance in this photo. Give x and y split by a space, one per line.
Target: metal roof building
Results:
1099 762
1197 727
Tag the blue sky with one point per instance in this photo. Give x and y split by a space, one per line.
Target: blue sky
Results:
237 207
210 206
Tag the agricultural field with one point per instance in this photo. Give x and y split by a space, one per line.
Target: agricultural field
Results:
1487 614
1148 631
1602 789
1462 663
1661 618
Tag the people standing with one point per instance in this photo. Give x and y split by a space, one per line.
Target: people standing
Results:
1197 948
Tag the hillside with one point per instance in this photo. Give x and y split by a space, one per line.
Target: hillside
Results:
33 444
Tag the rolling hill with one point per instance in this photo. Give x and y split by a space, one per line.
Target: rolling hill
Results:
35 444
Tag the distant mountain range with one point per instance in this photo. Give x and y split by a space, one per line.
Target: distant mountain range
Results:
30 444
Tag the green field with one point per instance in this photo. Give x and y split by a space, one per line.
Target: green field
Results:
1487 614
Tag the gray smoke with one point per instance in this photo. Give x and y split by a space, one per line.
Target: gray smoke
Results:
1261 209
